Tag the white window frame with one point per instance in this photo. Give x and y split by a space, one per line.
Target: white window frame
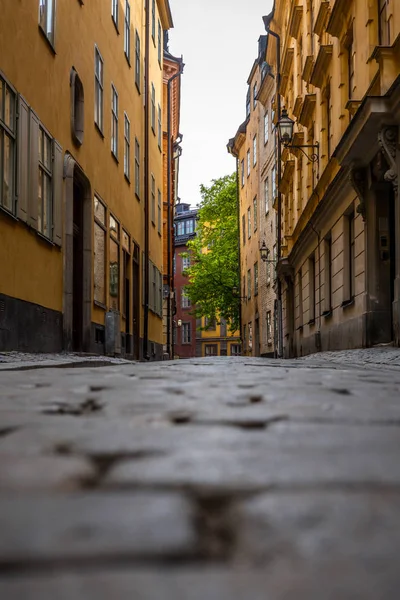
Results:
45 175
248 162
137 168
153 199
266 195
160 43
266 127
9 132
153 108
99 89
127 147
114 12
159 203
47 19
137 60
114 121
255 150
127 37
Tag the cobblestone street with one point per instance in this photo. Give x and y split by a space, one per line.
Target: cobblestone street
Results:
206 479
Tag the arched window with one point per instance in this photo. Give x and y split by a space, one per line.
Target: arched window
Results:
77 108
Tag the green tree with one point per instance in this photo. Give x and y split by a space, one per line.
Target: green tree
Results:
214 252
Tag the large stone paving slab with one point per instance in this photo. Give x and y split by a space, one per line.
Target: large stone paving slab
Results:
227 478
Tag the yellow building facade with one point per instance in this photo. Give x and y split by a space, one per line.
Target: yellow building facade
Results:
81 178
214 339
340 258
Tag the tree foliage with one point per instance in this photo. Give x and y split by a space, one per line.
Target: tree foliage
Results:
213 272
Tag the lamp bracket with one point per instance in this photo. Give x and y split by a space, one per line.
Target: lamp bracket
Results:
314 156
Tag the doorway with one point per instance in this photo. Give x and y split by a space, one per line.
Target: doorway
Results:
77 269
136 301
257 337
126 275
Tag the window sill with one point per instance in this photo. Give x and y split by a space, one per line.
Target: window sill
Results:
300 328
138 88
99 130
100 304
347 303
159 233
115 157
45 239
153 130
137 196
50 44
128 60
127 179
327 313
311 322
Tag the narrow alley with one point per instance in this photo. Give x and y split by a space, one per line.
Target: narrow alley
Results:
202 479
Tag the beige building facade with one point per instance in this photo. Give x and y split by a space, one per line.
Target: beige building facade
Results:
340 260
254 149
81 176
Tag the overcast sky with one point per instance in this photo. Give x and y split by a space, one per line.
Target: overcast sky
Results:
219 42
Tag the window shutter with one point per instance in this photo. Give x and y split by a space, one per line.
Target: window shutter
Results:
33 169
23 158
57 193
143 278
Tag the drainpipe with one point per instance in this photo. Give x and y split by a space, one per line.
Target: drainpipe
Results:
267 21
146 354
239 250
169 206
176 159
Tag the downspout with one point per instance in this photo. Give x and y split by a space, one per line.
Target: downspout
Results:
176 166
239 251
146 354
279 175
169 207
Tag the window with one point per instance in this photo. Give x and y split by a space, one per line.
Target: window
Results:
268 267
266 195
273 175
274 258
137 168
249 284
266 127
249 223
242 171
248 103
137 60
114 264
256 278
153 20
185 263
269 328
127 147
159 210
350 65
248 163
127 41
186 333
114 12
99 267
254 150
47 18
250 327
255 95
210 324
180 228
328 275
300 288
153 199
349 276
328 118
7 146
244 286
153 108
159 127
160 44
255 213
77 108
189 226
235 350
99 90
311 289
114 121
211 350
384 26
244 229
185 300
244 339
45 203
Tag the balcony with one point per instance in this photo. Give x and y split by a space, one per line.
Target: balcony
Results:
321 66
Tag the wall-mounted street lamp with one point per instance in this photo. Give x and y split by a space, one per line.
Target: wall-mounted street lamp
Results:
285 133
236 293
264 253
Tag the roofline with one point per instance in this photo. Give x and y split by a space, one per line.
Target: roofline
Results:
165 14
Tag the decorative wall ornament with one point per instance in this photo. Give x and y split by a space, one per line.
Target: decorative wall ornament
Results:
358 179
387 139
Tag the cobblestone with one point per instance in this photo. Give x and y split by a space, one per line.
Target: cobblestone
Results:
207 478
24 360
